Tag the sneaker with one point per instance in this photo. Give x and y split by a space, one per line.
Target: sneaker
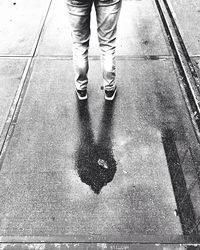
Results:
82 94
110 94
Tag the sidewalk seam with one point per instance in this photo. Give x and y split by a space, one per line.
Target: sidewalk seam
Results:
8 128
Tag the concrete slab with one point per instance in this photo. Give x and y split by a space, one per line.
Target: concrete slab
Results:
139 31
188 19
11 71
196 62
20 24
98 246
55 181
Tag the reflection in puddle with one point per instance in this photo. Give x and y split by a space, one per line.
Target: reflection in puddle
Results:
95 163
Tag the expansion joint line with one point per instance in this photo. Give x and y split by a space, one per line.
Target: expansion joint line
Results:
10 122
190 83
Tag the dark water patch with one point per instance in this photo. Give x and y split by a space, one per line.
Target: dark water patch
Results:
182 196
95 162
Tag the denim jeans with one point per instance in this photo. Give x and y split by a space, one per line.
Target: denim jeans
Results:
107 14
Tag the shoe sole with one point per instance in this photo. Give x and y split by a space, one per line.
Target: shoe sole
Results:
112 97
81 98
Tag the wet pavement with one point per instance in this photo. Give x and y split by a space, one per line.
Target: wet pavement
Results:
57 143
144 36
82 170
20 25
92 246
11 71
188 17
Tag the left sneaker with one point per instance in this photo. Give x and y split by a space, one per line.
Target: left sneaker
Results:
82 94
110 94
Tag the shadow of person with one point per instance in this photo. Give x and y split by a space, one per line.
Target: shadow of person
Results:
94 161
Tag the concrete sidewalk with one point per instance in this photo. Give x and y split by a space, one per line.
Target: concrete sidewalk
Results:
52 184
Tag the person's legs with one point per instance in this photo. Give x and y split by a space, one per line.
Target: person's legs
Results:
79 16
107 12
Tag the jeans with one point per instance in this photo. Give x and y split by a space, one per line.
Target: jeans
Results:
107 14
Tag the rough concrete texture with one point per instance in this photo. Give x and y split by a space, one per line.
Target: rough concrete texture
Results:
46 190
20 24
85 246
90 169
187 14
11 71
139 31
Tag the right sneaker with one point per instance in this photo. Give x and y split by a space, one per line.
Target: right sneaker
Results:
82 94
110 94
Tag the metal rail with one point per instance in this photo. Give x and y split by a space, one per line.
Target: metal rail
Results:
191 93
190 82
184 188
